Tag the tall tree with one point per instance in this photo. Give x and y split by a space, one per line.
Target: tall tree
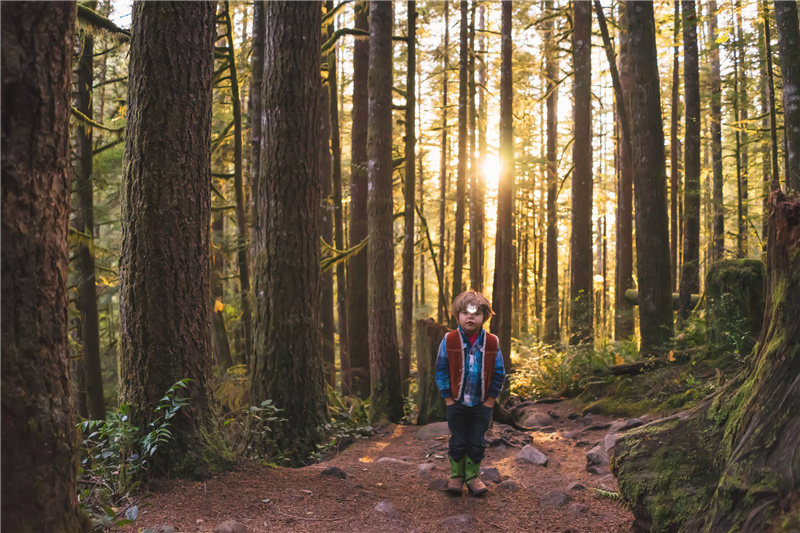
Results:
254 95
219 333
441 315
387 401
410 199
338 219
674 148
650 190
718 237
358 280
39 450
83 222
164 303
288 339
551 322
690 271
581 282
504 258
476 188
461 176
326 233
742 101
789 43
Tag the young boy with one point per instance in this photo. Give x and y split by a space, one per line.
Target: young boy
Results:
470 375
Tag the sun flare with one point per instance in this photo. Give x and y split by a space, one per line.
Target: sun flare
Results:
491 171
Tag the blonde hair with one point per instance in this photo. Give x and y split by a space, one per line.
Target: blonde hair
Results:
472 297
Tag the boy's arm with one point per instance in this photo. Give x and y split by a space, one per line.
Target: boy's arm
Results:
498 378
443 371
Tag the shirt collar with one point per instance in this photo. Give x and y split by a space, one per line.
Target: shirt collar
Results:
478 341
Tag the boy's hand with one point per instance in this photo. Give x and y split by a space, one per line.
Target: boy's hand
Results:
449 400
489 402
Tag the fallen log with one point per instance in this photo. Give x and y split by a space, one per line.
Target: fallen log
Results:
632 297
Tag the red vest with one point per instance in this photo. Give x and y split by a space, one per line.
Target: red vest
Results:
455 358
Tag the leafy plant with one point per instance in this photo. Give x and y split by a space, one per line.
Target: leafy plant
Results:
251 436
349 421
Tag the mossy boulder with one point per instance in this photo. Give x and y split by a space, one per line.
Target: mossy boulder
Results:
735 295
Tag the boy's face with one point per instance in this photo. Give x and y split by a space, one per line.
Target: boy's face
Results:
471 319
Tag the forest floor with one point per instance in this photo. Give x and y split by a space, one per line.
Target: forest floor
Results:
394 480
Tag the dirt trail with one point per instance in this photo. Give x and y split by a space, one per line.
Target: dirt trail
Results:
386 489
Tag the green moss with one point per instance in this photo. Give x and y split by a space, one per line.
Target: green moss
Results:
614 406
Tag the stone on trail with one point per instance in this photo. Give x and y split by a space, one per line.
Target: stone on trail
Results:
438 484
609 441
598 470
491 474
231 526
458 520
385 507
576 509
510 485
597 456
537 419
392 460
334 471
576 485
531 455
554 498
571 435
160 529
425 468
431 431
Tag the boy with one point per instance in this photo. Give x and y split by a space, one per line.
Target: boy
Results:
470 375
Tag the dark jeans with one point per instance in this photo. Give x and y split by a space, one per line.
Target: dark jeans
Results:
467 426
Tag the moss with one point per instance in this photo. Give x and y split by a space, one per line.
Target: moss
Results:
614 406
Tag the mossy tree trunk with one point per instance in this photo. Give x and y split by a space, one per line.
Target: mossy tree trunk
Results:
287 343
39 448
731 463
164 268
786 19
387 401
431 404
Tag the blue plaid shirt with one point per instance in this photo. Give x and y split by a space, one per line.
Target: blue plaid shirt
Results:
473 371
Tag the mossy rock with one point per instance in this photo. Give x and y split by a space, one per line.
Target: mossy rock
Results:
735 299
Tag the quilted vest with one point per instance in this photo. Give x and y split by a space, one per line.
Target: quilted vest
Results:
456 358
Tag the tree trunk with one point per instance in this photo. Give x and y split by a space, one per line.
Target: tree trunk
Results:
551 323
652 229
84 223
476 186
690 270
718 238
219 333
773 120
789 43
164 274
256 114
581 284
442 307
338 221
288 338
461 178
358 280
410 200
744 115
765 91
238 185
481 116
40 445
674 142
387 400
431 404
504 259
741 474
326 233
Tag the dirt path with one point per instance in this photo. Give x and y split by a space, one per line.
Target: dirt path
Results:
387 489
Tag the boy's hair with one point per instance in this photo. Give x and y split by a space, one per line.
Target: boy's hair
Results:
475 298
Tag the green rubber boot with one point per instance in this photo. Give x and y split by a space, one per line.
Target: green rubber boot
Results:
474 484
456 483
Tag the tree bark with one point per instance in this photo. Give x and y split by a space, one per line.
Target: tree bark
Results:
476 185
581 283
358 280
164 274
410 199
690 270
84 223
326 233
431 404
219 333
786 19
288 338
674 141
740 474
718 237
773 120
652 229
387 400
442 308
256 114
39 446
461 177
551 323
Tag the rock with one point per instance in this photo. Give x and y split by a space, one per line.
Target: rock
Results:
608 480
632 423
159 529
491 474
597 470
576 485
393 461
537 419
547 429
587 419
571 435
554 498
503 428
431 431
597 456
425 468
334 471
576 509
458 520
438 484
385 507
573 416
583 443
531 455
609 441
231 526
510 485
